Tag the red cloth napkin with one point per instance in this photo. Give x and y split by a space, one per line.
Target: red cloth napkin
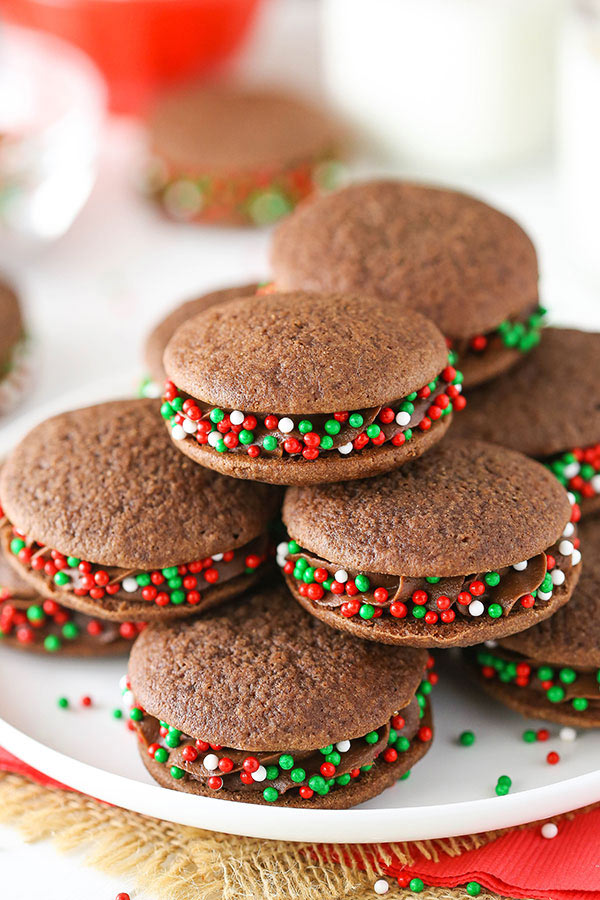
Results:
520 864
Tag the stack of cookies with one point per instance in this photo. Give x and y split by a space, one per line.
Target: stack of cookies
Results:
343 382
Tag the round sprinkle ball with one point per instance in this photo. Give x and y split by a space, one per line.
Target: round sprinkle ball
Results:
466 739
567 734
62 702
549 830
381 886
553 758
473 888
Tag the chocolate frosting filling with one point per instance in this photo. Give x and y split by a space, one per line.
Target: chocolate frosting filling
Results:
360 753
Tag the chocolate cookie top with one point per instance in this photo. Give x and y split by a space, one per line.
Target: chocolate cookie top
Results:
269 677
303 353
445 254
11 322
106 485
569 637
520 409
465 507
228 129
162 333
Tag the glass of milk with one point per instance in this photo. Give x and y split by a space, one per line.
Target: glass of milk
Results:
444 85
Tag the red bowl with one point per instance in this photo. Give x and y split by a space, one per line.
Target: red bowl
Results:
142 45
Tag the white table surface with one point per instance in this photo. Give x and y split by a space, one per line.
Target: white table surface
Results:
91 297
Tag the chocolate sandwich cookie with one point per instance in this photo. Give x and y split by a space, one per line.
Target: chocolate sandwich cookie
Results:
465 265
35 623
552 671
303 388
468 543
254 707
239 157
521 410
14 368
162 333
104 516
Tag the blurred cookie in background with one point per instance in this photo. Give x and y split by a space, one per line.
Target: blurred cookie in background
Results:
14 361
228 156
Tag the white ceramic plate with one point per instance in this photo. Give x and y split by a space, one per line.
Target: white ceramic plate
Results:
451 791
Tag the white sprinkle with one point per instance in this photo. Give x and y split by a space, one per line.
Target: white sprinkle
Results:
189 427
544 595
214 437
491 644
381 886
281 561
282 549
565 548
128 699
260 774
520 566
571 498
343 746
595 483
217 557
571 470
569 529
346 448
402 418
549 830
459 388
236 417
286 424
130 584
575 557
123 683
567 734
476 607
177 433
558 577
211 762
341 575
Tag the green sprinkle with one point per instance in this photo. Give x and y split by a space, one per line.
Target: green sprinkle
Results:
220 446
16 545
356 420
270 794
326 442
245 436
117 713
176 772
301 563
467 738
579 703
304 426
432 579
367 611
333 757
473 888
35 614
272 773
343 779
492 579
270 442
167 410
373 430
177 597
529 736
286 761
161 755
326 750
362 583
70 631
416 885
372 737
169 572
555 694
52 643
502 789
73 562
567 676
177 404
545 673
136 714
62 702
402 744
172 740
418 612
332 426
293 547
309 575
405 776
175 583
408 434
316 783
298 775
216 415
547 583
494 610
